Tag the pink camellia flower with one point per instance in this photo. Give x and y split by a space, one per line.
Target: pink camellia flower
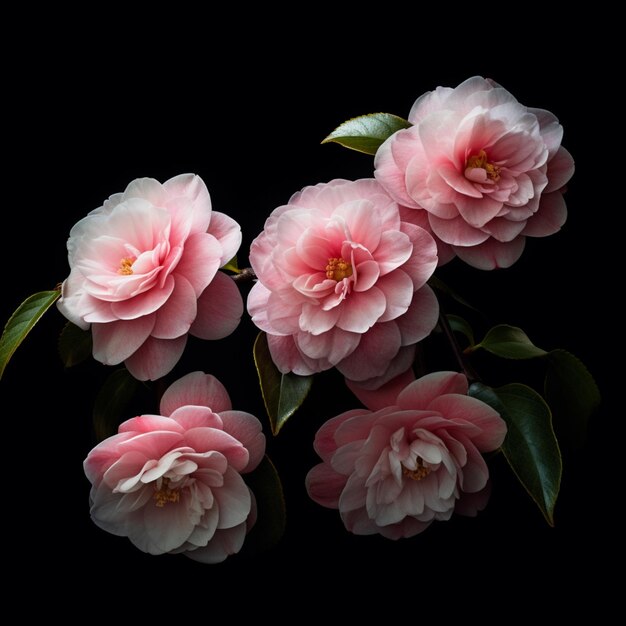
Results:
171 482
394 470
486 171
144 274
342 276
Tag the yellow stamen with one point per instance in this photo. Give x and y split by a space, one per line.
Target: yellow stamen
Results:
480 160
165 494
418 473
338 269
126 266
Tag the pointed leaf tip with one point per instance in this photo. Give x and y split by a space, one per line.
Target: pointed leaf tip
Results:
509 342
367 132
530 446
22 322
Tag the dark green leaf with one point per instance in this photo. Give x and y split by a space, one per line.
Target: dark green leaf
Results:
111 402
282 393
439 285
509 342
367 132
268 492
573 395
530 446
459 325
22 321
74 345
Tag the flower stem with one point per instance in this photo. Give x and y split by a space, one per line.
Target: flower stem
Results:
461 358
244 275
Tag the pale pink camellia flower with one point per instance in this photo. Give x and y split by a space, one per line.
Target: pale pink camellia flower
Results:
342 276
172 482
484 171
412 459
144 274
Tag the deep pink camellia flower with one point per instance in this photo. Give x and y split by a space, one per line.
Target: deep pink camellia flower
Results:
144 274
483 170
412 459
172 482
342 272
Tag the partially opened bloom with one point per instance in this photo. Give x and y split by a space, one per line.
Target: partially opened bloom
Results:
172 482
412 459
144 274
485 170
342 276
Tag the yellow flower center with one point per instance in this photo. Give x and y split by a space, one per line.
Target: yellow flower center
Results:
480 160
165 494
338 269
126 266
418 473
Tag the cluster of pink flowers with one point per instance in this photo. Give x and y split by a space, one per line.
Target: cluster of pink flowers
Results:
342 272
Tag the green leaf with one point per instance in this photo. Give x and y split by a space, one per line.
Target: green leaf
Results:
367 132
75 345
573 395
530 446
282 393
21 323
509 342
439 285
460 325
232 266
111 402
271 516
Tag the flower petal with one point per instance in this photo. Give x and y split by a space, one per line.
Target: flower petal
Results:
220 308
175 317
550 217
325 444
143 303
560 170
384 396
246 428
456 231
155 358
196 388
116 341
360 311
422 392
164 528
193 191
375 351
233 499
224 543
228 232
324 485
200 260
421 317
463 408
492 254
288 358
398 290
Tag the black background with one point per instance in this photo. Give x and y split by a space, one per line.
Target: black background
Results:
92 113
